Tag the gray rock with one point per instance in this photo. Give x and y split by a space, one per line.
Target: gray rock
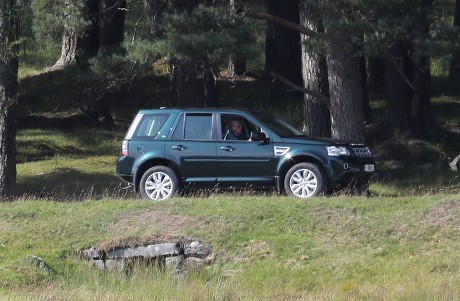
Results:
91 254
98 264
175 262
39 264
197 249
114 265
165 249
194 263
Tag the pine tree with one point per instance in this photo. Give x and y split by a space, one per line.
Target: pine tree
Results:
196 40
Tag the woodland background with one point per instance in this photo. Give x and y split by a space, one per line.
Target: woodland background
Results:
379 71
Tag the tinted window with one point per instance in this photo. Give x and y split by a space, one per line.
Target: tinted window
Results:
150 125
198 126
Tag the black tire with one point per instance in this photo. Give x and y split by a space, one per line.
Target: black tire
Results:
304 180
159 183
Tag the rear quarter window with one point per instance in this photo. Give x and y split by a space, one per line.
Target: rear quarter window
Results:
151 126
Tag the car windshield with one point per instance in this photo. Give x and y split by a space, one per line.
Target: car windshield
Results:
280 127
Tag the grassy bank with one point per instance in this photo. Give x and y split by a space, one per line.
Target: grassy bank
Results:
269 248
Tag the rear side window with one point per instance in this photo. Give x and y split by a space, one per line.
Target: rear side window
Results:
151 125
198 126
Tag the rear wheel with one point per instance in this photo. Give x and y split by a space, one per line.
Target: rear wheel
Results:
159 183
304 180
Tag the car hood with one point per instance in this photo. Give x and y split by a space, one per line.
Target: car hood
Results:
312 140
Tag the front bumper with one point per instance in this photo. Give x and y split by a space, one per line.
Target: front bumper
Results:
348 173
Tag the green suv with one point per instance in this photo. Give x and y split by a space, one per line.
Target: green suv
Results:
168 149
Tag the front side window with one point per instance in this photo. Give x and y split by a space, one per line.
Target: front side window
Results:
236 127
151 125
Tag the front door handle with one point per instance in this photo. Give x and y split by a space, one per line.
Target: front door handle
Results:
227 148
179 147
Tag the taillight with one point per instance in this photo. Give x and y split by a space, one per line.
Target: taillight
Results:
124 148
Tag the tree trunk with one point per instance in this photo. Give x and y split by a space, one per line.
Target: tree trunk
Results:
454 72
421 119
8 103
193 84
347 119
282 45
69 46
399 93
376 74
236 64
112 23
317 121
78 46
365 89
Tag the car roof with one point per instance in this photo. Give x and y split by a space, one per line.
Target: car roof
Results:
204 110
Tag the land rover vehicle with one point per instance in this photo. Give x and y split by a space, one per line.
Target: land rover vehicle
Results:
167 149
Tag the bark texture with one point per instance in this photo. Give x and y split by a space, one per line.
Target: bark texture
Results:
69 46
317 121
347 118
8 105
236 63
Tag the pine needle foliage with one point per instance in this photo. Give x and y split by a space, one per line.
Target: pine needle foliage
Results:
205 32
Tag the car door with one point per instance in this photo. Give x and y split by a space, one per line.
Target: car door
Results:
244 162
193 148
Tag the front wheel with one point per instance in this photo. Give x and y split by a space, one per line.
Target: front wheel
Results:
159 183
304 180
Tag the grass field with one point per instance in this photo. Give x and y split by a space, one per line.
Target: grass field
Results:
269 248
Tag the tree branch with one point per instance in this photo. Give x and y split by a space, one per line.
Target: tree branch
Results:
400 71
280 21
290 84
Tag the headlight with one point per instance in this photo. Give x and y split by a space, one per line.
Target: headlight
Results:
334 151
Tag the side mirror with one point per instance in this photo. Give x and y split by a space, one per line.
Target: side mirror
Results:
259 136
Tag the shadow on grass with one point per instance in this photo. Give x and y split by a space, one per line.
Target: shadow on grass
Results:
70 184
33 145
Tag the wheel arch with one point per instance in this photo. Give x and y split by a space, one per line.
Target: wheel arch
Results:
151 163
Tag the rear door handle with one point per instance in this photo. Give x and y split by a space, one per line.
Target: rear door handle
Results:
227 148
179 147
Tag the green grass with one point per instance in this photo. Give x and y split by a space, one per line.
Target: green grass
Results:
277 248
